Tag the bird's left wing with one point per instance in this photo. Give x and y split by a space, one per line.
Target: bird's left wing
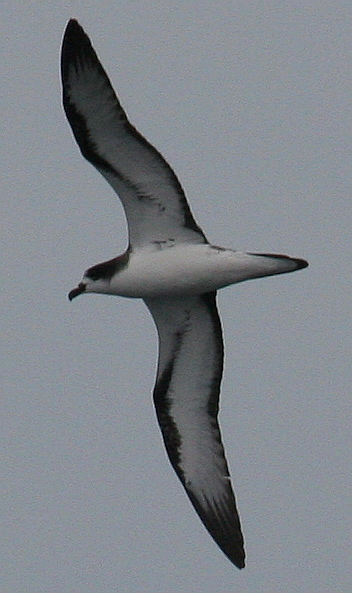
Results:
155 204
186 397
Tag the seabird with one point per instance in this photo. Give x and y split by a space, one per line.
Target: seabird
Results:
171 266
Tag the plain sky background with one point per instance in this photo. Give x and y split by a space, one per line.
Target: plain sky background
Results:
250 102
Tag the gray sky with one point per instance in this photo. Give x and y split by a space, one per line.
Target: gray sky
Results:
250 102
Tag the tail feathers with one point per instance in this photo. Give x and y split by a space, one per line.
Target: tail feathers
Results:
294 263
274 263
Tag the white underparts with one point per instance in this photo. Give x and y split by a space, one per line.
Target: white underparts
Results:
188 269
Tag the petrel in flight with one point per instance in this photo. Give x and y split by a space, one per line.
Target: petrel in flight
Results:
171 266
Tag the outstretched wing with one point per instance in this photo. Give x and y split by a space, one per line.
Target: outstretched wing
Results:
155 204
186 397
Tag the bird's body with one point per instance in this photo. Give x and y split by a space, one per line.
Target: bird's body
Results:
170 264
184 270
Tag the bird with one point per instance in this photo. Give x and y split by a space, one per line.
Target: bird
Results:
170 264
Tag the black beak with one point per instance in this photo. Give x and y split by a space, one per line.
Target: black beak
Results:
77 291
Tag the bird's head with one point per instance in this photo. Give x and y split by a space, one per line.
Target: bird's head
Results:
98 277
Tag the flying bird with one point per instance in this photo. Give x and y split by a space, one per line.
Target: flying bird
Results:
171 266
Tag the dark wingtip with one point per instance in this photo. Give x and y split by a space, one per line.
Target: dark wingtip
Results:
75 43
72 26
72 32
239 563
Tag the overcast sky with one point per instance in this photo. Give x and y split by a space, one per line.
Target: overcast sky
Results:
250 102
